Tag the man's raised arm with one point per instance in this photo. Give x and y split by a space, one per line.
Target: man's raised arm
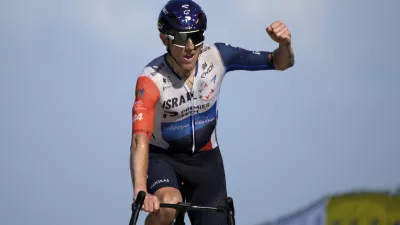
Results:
283 55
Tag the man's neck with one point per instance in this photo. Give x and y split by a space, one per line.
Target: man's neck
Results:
178 69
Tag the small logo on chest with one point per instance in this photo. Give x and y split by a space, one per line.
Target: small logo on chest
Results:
207 70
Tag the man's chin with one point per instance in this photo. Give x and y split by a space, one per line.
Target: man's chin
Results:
188 67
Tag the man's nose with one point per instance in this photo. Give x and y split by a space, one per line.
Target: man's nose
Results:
189 45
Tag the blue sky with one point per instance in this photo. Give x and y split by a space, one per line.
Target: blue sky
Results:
67 74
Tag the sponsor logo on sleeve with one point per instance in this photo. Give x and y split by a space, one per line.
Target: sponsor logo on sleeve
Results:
140 93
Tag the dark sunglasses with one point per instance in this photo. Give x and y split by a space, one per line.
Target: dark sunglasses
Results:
180 39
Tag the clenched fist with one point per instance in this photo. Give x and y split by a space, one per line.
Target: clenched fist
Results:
280 33
151 202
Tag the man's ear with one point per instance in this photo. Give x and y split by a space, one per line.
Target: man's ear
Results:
164 39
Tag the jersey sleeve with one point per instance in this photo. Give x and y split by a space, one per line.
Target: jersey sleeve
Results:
146 97
236 58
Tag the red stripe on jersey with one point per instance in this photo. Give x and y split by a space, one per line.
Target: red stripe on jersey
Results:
207 147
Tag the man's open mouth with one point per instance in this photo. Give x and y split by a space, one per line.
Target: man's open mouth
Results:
189 56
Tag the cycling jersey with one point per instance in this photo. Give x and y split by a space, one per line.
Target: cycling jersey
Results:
183 120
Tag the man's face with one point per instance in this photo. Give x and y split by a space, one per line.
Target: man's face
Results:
186 56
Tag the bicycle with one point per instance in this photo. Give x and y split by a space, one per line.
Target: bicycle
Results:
182 208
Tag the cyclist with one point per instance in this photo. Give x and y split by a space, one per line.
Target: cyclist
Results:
176 108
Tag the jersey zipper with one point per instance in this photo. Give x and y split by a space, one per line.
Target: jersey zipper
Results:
193 110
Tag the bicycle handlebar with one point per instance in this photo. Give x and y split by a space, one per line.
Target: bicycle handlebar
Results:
228 210
136 207
192 207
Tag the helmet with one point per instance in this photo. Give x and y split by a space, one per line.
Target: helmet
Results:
181 15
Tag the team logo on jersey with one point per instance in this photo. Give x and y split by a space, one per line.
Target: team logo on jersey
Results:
170 114
188 111
207 90
167 83
204 66
209 69
140 93
138 103
157 69
208 95
139 106
166 87
167 80
194 110
176 102
214 79
205 49
205 120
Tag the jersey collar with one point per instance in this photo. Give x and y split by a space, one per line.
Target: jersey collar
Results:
170 67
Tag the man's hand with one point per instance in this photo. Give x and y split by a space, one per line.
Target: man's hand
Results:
280 33
150 204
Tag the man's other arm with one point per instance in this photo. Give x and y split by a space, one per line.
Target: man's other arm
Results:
143 110
237 58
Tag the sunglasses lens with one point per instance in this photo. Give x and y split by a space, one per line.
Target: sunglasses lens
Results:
181 39
197 38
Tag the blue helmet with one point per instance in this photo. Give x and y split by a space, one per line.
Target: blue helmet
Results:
181 15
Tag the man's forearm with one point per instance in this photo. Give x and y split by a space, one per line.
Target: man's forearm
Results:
139 165
283 57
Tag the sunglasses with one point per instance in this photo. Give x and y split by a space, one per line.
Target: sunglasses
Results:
180 39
